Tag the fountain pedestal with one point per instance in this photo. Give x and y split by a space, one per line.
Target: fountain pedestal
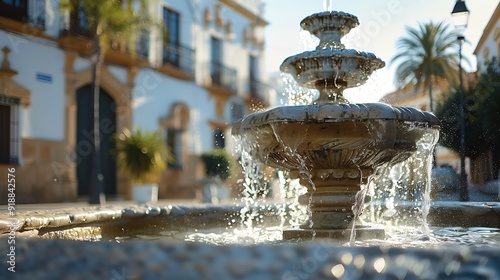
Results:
333 146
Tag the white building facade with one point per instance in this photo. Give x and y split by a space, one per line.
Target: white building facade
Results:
191 83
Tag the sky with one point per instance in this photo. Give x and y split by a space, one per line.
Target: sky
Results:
382 23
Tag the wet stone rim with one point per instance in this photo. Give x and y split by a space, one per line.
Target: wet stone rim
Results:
325 113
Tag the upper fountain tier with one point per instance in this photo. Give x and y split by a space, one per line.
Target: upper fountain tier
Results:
331 68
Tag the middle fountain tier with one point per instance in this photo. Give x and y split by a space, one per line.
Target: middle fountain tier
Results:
331 145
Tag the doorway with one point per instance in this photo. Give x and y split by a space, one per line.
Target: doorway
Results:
85 143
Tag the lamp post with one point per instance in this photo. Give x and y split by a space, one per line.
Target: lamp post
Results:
460 16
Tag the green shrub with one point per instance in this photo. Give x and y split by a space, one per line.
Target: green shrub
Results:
142 154
217 163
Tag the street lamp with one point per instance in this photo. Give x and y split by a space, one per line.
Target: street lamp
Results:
460 15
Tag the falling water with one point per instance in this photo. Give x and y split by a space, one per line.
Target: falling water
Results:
405 182
290 148
359 202
426 148
293 213
327 5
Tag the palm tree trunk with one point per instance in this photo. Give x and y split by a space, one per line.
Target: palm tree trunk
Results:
97 195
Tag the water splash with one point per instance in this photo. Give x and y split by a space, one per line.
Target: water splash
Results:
254 188
293 213
407 182
294 94
290 148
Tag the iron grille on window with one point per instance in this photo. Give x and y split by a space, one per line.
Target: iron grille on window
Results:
9 130
31 12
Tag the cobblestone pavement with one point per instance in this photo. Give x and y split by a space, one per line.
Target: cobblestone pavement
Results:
65 259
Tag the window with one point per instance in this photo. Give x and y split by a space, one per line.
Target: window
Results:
254 74
174 144
78 22
142 44
497 39
82 17
219 139
486 56
171 38
254 68
9 123
216 70
14 9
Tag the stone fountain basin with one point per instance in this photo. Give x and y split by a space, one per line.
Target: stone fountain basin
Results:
329 136
166 259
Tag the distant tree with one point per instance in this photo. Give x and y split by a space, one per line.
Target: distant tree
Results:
482 114
110 22
425 57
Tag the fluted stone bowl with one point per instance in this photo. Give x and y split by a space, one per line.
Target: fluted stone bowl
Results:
329 27
331 68
334 136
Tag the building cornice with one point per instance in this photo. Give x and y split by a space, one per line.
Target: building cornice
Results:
245 12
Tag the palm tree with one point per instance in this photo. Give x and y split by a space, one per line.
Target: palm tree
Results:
425 56
110 22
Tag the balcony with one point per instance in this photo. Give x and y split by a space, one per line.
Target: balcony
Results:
76 36
23 16
220 81
222 76
178 61
258 93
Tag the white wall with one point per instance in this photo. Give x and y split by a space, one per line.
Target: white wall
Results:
44 118
154 95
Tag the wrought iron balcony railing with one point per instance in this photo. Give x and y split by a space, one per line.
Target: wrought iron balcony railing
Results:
74 28
31 12
222 76
258 90
179 56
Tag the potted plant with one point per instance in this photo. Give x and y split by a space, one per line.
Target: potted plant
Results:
218 167
143 155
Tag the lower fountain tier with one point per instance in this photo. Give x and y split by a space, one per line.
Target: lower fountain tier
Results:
325 137
333 148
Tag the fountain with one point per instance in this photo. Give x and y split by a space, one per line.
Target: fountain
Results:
331 145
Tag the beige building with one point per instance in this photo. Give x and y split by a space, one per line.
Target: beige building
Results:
489 43
487 48
420 99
